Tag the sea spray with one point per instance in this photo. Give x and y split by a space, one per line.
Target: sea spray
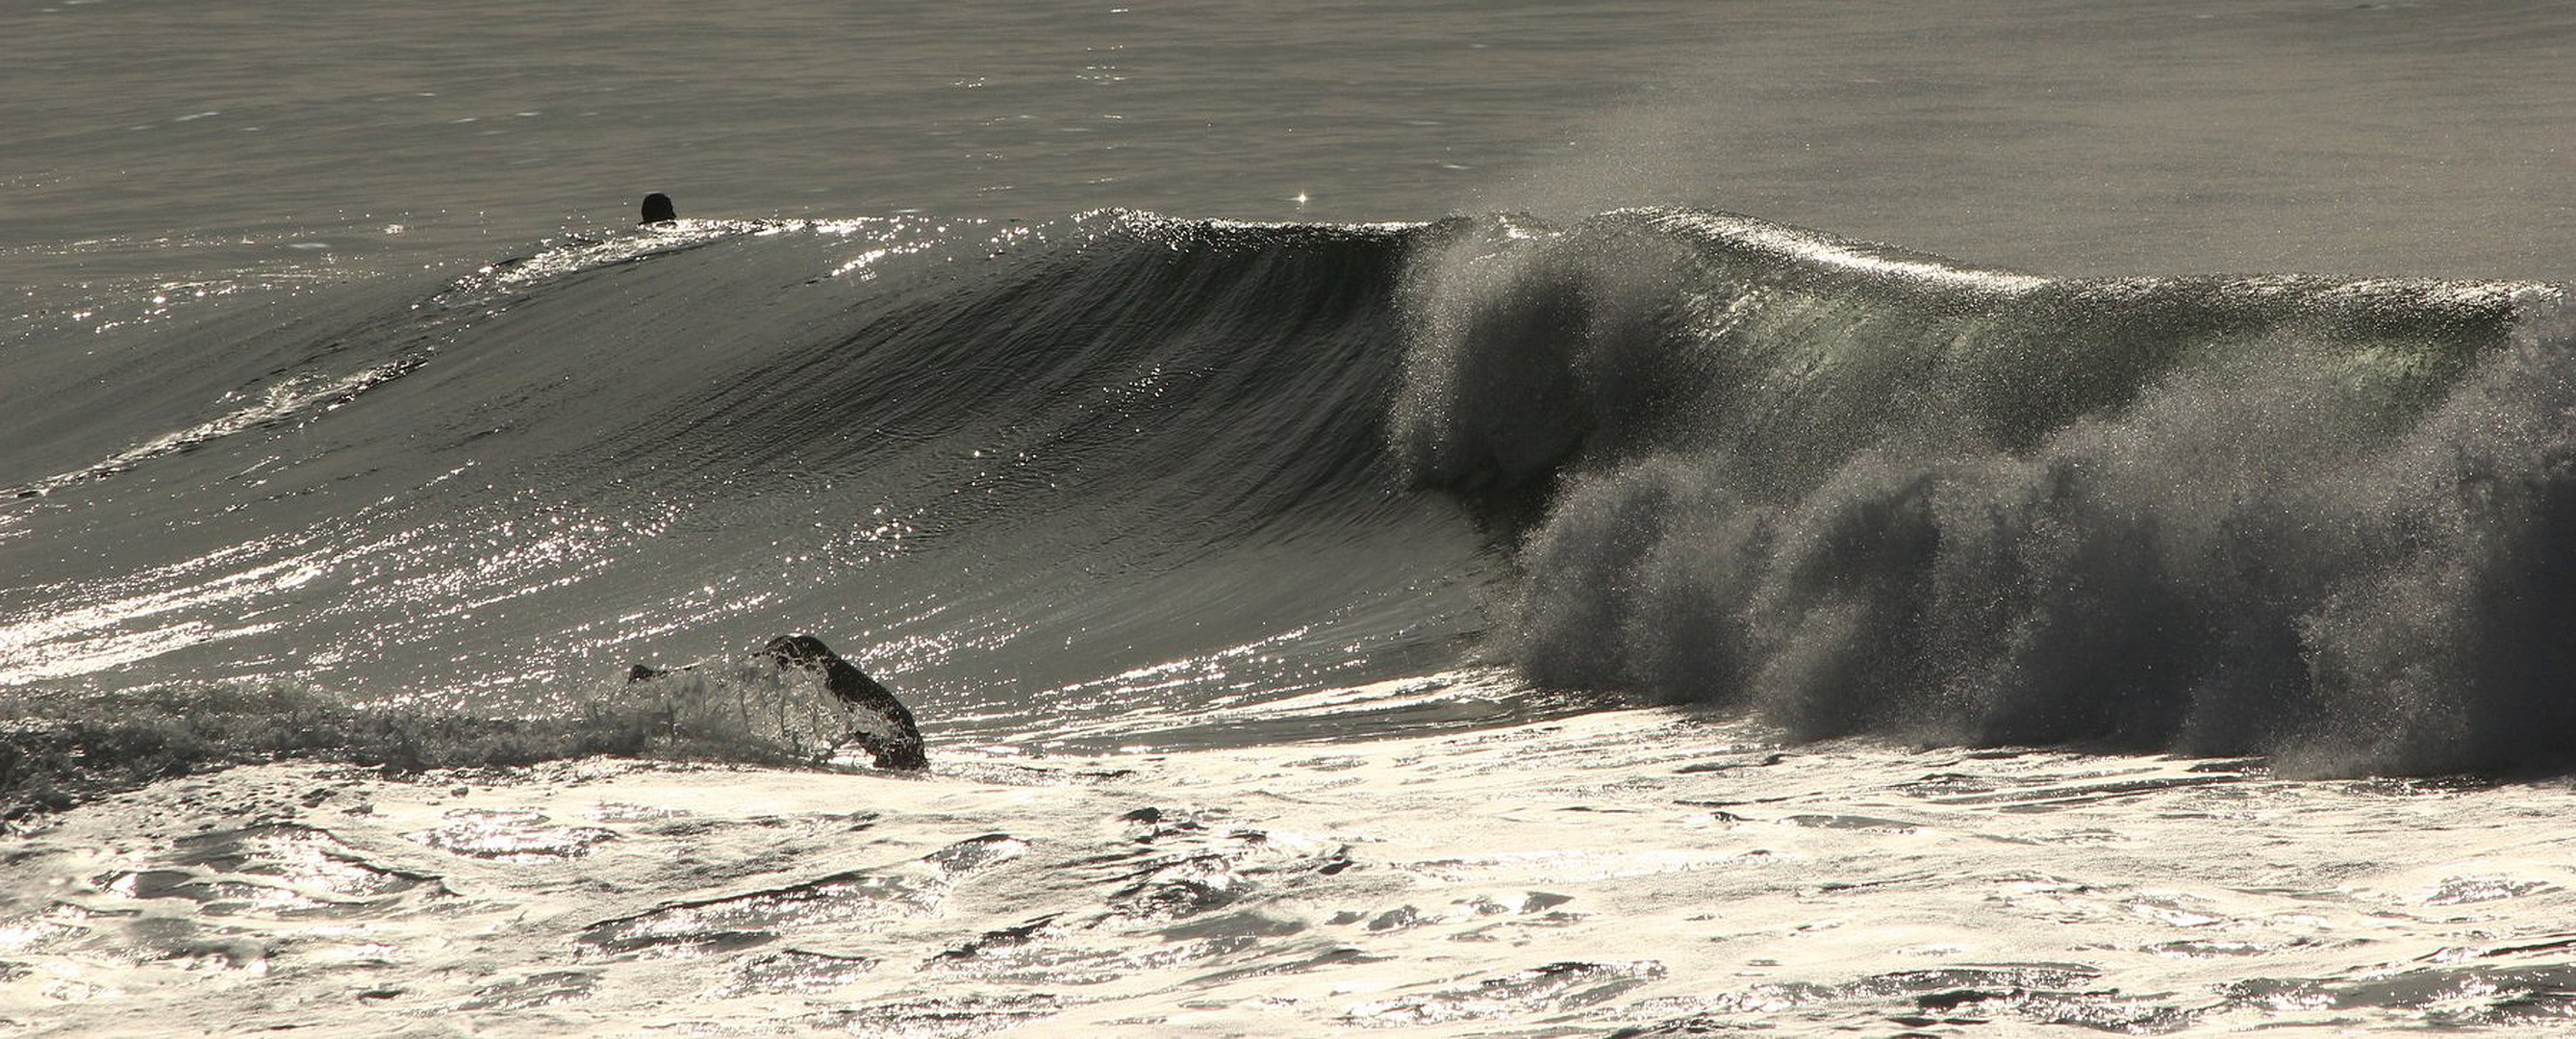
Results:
1857 490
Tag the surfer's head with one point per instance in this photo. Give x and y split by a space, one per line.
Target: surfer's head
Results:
657 209
799 651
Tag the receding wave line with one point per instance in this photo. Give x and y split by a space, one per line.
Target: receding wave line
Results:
61 748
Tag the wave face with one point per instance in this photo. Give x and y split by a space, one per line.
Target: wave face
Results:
1114 467
1855 490
1121 474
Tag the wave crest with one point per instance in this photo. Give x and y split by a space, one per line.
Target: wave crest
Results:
1857 491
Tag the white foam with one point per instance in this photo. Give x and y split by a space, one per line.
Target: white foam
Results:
1623 869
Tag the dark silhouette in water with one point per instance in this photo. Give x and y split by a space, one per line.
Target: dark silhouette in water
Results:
896 742
657 209
881 723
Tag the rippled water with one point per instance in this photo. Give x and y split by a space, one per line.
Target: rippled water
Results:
176 138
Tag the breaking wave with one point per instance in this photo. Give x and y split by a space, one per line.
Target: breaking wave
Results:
1124 466
1855 490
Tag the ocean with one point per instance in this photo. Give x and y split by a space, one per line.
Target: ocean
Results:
1638 519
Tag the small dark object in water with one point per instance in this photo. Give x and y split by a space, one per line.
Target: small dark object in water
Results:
657 209
897 747
643 671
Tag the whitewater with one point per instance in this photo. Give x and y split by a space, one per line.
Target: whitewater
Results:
1445 520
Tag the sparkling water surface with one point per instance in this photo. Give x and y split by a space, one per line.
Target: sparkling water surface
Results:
1227 426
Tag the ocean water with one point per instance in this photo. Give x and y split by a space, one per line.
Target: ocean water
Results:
1643 519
